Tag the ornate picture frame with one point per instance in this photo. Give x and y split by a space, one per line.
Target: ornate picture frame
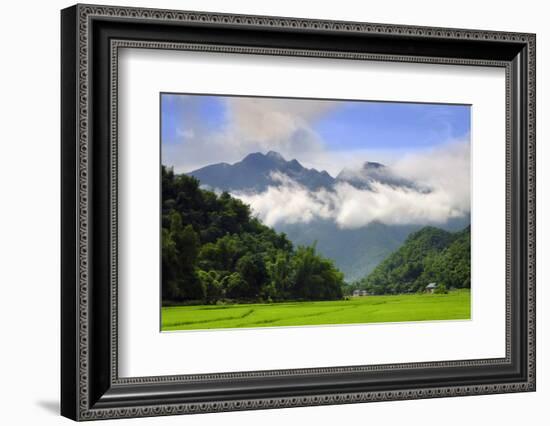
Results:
91 37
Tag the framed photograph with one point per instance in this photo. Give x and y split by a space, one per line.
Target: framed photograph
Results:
263 212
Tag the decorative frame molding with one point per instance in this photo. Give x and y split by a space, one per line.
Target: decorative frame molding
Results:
91 388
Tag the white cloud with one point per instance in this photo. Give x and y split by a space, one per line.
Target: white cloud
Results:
446 168
289 202
250 125
446 171
392 206
273 123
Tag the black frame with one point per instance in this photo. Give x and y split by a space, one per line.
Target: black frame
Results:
91 37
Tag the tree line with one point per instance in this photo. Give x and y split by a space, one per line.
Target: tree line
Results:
213 250
430 255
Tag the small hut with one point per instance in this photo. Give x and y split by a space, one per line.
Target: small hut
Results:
430 288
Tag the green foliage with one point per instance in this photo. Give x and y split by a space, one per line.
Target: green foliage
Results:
441 289
316 278
251 267
355 310
428 255
213 285
180 247
213 249
281 273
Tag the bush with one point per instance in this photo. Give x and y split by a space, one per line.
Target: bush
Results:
441 289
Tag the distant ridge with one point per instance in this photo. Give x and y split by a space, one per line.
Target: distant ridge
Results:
255 173
372 172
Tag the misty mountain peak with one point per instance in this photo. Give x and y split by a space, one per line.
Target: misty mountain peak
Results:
275 155
258 159
253 156
254 174
372 172
372 165
364 172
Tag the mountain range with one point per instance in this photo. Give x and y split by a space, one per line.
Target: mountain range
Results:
254 173
355 251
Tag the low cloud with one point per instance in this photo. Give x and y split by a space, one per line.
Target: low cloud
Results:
289 202
445 169
445 173
392 206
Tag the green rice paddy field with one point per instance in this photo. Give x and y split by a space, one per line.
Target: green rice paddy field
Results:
365 309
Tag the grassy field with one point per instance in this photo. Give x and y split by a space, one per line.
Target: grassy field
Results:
366 309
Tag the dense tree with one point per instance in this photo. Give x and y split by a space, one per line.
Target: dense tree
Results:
428 255
252 269
236 287
452 266
170 287
213 285
214 249
316 278
280 271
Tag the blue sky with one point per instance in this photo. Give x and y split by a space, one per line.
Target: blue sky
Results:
390 125
199 129
180 112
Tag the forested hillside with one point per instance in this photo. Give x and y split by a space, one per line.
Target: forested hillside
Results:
213 249
428 255
355 251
